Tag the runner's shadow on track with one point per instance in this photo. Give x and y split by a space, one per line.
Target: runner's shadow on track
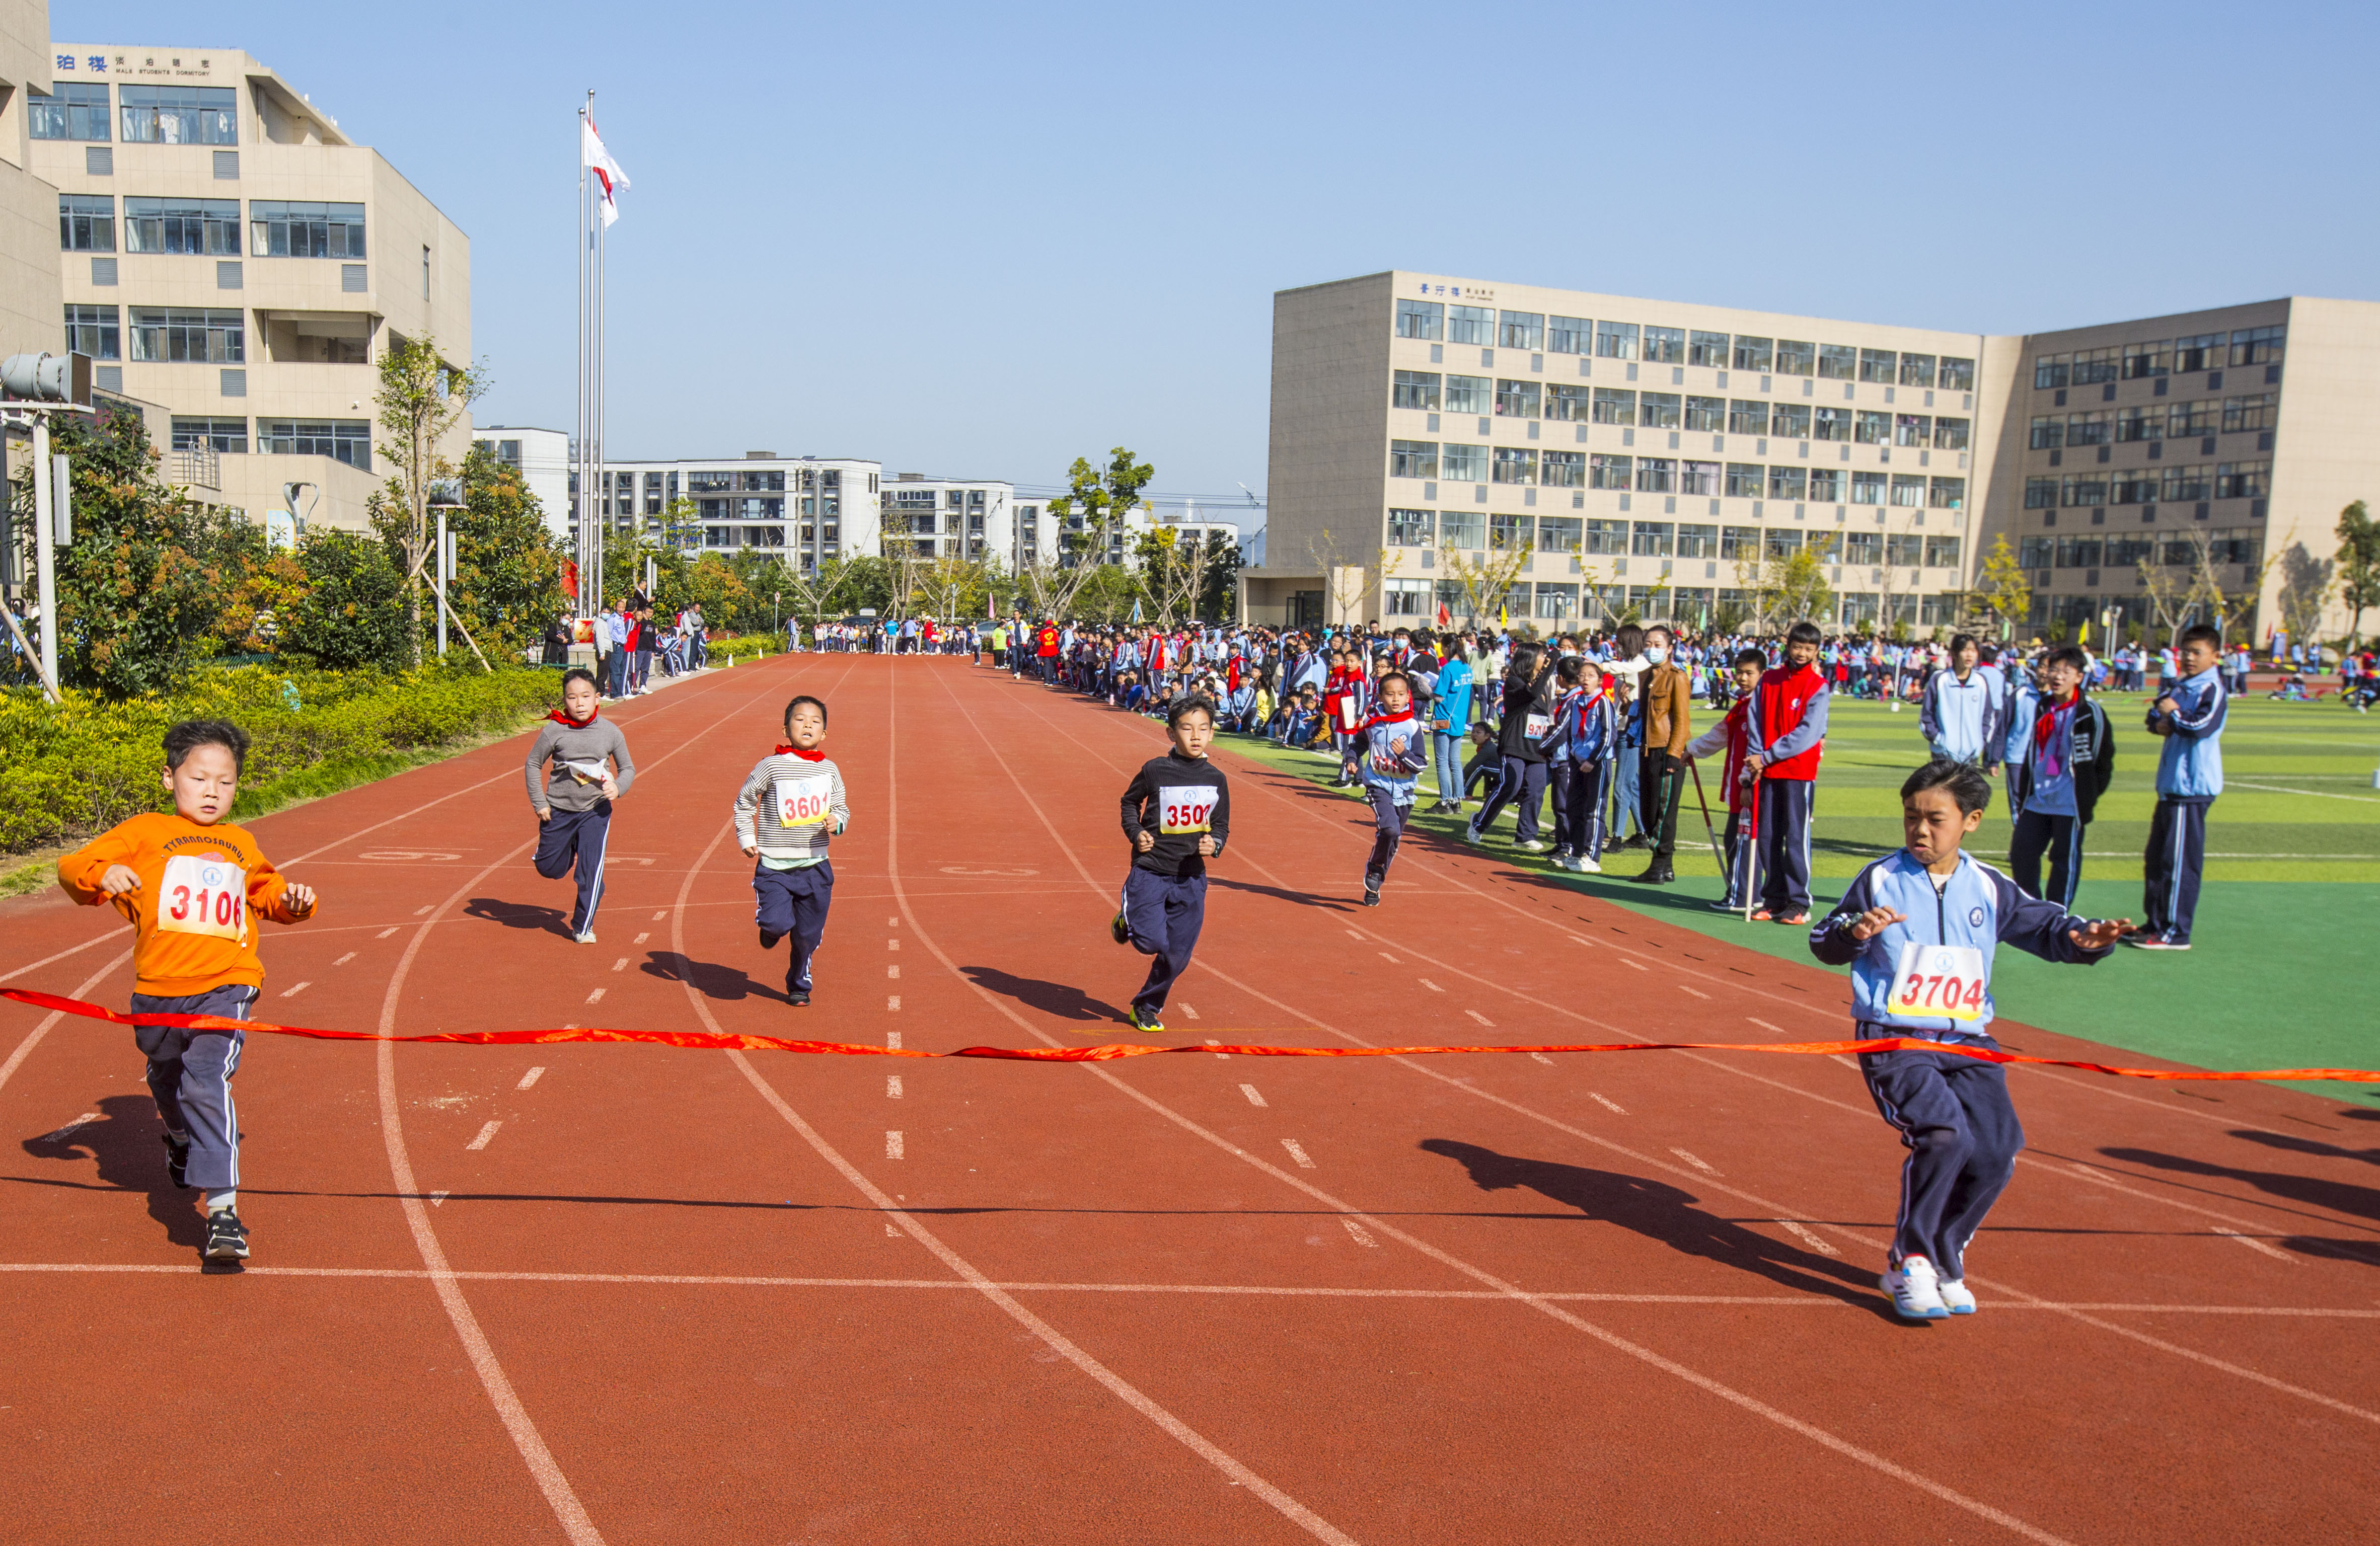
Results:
1301 899
1063 999
2308 1146
124 1142
714 981
2344 1197
519 915
1660 1212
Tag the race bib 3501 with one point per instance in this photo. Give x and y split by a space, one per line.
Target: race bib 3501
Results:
203 896
805 799
1945 980
1187 810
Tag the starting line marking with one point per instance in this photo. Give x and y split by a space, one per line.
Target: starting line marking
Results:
1705 1166
438 1199
596 997
1427 984
530 1077
344 960
1389 959
383 933
1304 1163
620 965
1696 991
1481 1019
1247 1090
892 1038
662 915
295 989
1357 1230
892 971
1775 1030
1605 1102
641 938
892 1145
1189 1013
1808 1237
1631 960
1212 1042
892 944
485 1133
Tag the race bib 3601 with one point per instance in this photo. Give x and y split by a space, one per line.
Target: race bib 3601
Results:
805 799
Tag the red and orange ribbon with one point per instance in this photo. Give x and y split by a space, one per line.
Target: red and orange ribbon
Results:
724 1042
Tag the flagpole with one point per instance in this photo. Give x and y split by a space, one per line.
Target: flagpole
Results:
579 425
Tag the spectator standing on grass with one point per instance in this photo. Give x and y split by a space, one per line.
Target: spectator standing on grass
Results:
1785 730
2068 755
1528 704
1628 758
1450 723
1959 715
2189 715
1668 715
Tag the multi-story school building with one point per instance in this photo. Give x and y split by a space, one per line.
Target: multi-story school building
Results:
229 254
1433 436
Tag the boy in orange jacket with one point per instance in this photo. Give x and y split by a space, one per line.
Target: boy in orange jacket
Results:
191 886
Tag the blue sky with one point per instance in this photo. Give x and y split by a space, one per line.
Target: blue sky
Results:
982 240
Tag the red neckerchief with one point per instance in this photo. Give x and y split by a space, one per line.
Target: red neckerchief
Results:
1400 718
797 751
559 718
2047 726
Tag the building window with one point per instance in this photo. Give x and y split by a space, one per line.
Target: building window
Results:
1837 362
1950 434
2078 552
1466 464
1568 335
1912 429
1516 399
72 111
1515 464
226 435
2258 412
180 116
1606 538
346 440
177 336
2185 419
1831 424
2091 428
1652 540
2040 493
1559 533
2187 485
1610 472
1657 475
2138 485
1958 374
1871 429
1467 394
1863 547
1521 330
1917 370
1745 481
1788 483
2147 360
1461 528
86 223
425 274
1567 404
1827 485
1795 356
1420 318
1868 487
1903 551
1706 349
1697 542
1706 413
91 330
1738 542
2140 423
279 228
1877 365
1407 600
1827 545
1665 345
2084 493
1660 410
1510 534
1909 491
1614 405
2093 367
1790 420
189 227
1615 339
1747 417
1780 542
2048 432
1470 324
1702 479
2050 371
2203 351
1947 493
1410 528
1565 469
1414 389
2258 345
2242 480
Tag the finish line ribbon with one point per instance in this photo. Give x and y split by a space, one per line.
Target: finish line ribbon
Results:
718 1042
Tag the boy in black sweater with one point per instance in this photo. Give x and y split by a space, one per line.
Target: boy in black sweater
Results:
1177 815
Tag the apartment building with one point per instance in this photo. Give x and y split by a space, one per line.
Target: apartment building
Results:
803 510
1624 456
226 252
542 459
980 520
30 293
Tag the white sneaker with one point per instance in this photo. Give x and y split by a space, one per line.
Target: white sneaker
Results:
1471 833
1585 865
587 938
1532 846
1916 1291
1957 1297
1564 862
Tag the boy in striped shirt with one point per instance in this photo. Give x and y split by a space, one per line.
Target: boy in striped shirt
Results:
786 813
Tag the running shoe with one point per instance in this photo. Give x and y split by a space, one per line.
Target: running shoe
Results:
1371 892
1530 846
587 938
1563 860
768 940
178 1159
1916 1291
1118 931
799 999
227 1237
1723 905
1471 832
2153 942
1762 915
1795 919
1143 1020
1585 865
1957 1297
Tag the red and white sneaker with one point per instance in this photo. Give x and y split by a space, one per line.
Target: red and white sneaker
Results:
1915 1289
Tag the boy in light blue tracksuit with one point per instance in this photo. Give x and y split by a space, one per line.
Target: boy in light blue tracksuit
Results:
1960 712
2189 715
1450 723
1918 929
1388 753
1586 729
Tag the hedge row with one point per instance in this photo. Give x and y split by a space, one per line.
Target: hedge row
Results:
78 767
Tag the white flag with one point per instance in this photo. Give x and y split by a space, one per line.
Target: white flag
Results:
609 179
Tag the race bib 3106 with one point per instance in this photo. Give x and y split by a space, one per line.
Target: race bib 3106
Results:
203 896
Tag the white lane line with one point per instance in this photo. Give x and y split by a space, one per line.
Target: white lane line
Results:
1362 1237
1631 960
1354 934
1703 1165
87 1117
1212 1042
530 1077
641 938
485 1133
1777 1030
1389 959
2254 1244
1247 1090
570 1026
892 923
383 933
1189 1013
892 1087
892 944
662 915
893 1148
892 1038
1481 1019
596 997
892 970
438 1199
1542 1058
1605 1101
422 911
620 965
1808 1237
1304 1162
892 1001
1846 1061
295 989
1427 984
1695 992
896 1234
344 960
2322 795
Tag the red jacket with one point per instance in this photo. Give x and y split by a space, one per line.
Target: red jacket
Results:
1783 697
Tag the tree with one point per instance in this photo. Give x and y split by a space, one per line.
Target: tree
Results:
1484 578
351 615
2305 589
1221 599
2208 560
2359 567
421 399
1797 586
2002 593
1346 574
1176 565
507 568
2168 595
1095 500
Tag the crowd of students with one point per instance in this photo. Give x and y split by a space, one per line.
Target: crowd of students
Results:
630 636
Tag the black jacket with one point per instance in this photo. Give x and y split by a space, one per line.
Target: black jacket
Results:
2094 757
1147 808
1523 699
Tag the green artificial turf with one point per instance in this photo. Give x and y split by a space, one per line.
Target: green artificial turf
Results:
2291 896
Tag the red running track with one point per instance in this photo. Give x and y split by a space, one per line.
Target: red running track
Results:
650 1295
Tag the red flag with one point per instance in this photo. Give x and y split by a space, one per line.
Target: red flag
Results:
1445 619
569 578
